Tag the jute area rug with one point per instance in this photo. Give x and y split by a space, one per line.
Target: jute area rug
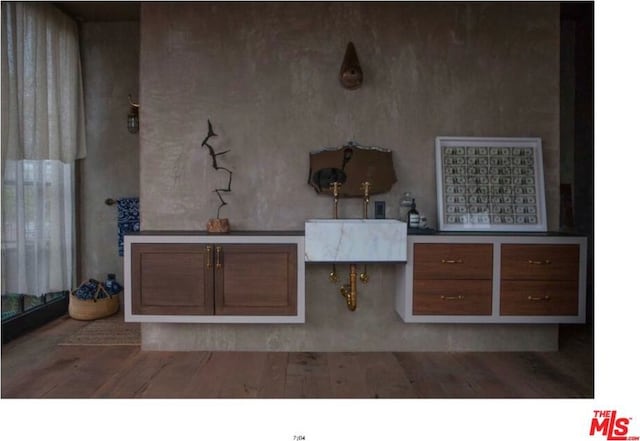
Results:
108 331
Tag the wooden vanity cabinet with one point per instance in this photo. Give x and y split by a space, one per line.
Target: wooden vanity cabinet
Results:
502 278
539 279
213 279
452 279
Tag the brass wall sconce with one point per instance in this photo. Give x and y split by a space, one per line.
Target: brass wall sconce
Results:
133 121
350 71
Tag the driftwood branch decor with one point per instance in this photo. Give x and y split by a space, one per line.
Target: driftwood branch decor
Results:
214 158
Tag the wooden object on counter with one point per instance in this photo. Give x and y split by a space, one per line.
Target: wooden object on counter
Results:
216 225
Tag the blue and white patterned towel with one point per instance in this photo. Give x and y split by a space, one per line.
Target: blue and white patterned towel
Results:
128 219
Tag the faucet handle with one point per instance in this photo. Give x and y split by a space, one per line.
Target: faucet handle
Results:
335 186
366 186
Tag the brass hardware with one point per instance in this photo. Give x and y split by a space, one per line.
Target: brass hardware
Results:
366 185
460 297
335 186
539 299
209 248
333 276
350 291
451 261
539 262
364 277
218 251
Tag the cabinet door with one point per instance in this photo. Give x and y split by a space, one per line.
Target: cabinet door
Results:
256 279
172 279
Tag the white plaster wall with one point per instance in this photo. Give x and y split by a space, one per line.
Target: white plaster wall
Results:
266 74
110 57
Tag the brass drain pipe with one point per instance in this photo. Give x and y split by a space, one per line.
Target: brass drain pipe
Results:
350 291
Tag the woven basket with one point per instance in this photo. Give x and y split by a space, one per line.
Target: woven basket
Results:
95 308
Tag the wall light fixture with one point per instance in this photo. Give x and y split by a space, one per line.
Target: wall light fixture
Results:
133 122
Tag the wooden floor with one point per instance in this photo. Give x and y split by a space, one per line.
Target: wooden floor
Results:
34 366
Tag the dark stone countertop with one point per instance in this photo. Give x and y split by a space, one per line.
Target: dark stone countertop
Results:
205 233
431 232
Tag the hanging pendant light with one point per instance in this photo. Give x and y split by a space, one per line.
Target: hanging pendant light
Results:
350 71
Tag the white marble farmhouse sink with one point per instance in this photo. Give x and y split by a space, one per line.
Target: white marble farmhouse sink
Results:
355 240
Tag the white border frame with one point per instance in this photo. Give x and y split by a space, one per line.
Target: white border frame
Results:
460 141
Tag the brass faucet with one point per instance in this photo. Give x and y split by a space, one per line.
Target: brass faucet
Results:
366 186
335 186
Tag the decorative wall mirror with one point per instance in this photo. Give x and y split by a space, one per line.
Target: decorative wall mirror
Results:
351 165
490 184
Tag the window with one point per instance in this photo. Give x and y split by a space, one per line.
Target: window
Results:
43 134
37 233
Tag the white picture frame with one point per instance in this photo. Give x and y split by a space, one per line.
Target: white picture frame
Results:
490 184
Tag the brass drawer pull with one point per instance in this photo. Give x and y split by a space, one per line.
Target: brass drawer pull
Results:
460 297
218 251
540 262
539 299
451 261
209 248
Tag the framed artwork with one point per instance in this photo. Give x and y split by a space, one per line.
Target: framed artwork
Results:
490 184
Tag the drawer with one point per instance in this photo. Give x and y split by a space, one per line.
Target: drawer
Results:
452 297
540 262
452 261
539 298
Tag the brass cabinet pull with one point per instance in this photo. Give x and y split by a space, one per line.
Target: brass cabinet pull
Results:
539 262
451 261
218 263
460 297
209 248
539 299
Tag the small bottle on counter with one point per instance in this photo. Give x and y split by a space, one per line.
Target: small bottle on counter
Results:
414 217
405 206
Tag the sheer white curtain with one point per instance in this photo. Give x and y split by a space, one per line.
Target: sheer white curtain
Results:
42 134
